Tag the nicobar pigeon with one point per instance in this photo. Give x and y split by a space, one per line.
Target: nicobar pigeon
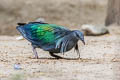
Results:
50 37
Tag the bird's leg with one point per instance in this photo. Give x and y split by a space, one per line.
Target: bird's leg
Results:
76 48
78 53
35 52
56 56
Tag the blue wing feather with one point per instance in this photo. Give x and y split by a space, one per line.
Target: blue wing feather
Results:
27 32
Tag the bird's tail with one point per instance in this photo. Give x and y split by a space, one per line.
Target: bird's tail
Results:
20 28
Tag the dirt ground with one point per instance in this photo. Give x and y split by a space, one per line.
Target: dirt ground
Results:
100 60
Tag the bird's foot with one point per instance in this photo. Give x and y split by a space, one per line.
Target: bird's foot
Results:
79 58
34 57
59 57
56 56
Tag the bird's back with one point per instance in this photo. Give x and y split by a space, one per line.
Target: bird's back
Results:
42 35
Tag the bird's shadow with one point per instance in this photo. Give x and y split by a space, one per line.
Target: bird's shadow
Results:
44 58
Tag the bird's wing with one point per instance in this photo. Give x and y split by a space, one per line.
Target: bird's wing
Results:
42 33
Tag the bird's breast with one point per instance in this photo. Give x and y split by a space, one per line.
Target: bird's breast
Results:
71 44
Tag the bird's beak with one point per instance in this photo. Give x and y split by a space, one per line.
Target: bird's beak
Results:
83 42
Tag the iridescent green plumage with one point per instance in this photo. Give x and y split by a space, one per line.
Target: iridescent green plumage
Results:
44 32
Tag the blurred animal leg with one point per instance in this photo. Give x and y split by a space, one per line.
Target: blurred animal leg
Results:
56 56
76 48
35 52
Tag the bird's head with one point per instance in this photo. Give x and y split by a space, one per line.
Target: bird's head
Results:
79 35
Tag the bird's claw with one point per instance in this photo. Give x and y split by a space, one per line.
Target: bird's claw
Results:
79 58
36 57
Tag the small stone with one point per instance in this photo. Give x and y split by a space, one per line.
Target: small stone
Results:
17 66
40 20
92 30
20 38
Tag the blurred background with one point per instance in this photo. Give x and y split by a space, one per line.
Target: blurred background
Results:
70 13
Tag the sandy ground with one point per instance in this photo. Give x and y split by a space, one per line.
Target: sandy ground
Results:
100 60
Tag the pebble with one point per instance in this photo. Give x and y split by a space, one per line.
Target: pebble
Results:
40 20
20 38
17 66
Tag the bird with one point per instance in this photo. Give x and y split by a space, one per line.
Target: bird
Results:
50 37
